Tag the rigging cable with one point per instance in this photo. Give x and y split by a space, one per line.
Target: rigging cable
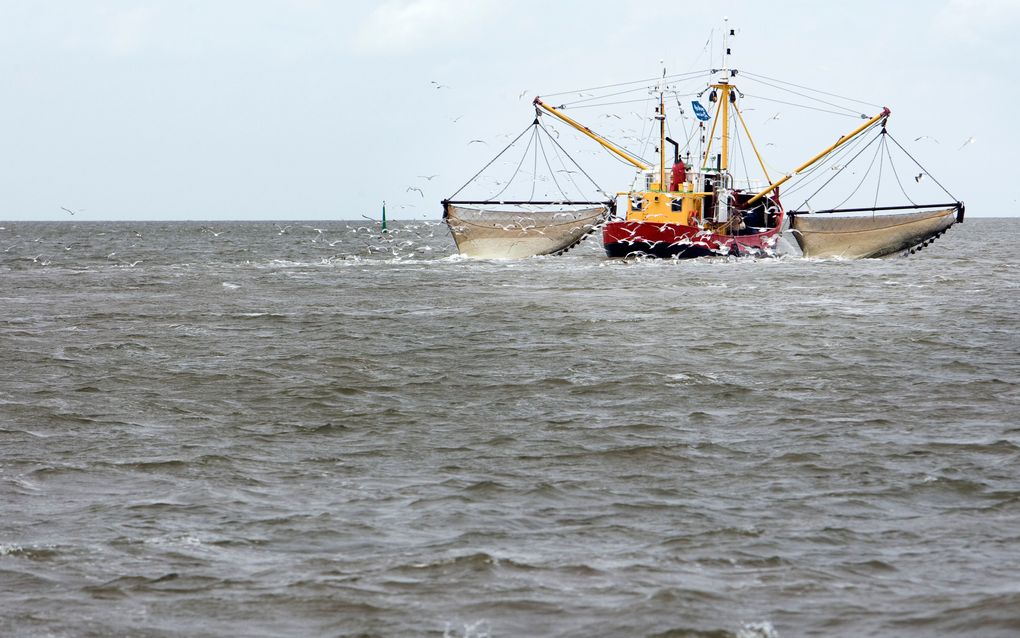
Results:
552 172
535 123
644 99
892 165
856 155
518 169
803 106
565 170
839 106
863 179
881 164
922 168
611 86
534 168
591 98
583 172
834 156
808 88
743 158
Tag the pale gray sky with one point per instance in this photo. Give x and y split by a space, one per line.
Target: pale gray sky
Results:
308 109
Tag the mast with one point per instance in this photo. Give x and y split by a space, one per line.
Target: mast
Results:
724 87
725 106
662 138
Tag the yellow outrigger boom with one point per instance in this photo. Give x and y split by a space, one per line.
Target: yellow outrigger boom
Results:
840 142
609 146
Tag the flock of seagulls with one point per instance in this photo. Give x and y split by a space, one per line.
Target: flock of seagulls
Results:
334 242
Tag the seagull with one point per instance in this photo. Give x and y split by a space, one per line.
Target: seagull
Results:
918 177
610 115
415 188
522 94
282 229
926 137
68 210
429 177
477 141
970 140
774 117
438 85
454 120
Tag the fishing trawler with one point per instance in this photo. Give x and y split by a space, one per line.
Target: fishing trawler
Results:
691 204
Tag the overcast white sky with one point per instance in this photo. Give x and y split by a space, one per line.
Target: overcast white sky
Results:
308 109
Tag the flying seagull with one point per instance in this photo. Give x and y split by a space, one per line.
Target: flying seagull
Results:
414 188
477 141
438 85
926 137
970 140
918 177
68 210
428 177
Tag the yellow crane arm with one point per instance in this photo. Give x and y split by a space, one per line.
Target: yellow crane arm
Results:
609 146
840 142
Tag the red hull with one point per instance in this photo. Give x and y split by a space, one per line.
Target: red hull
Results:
677 241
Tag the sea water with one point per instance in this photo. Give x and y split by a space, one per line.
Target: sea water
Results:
316 429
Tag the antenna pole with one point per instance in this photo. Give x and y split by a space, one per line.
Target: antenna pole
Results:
662 143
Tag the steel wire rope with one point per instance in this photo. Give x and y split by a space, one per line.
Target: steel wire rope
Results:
839 106
881 165
552 171
534 132
946 191
831 158
611 86
743 159
856 155
863 179
683 117
803 106
589 106
565 170
574 103
535 123
808 88
892 165
534 168
592 98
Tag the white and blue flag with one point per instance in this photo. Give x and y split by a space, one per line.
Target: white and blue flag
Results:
700 111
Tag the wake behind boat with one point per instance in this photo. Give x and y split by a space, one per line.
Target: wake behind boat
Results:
690 203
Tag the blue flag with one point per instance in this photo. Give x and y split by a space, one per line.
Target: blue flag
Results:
700 111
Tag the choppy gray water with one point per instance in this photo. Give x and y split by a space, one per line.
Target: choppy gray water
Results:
262 430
